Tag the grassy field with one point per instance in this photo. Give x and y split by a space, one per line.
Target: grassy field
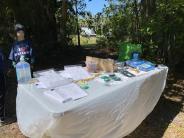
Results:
85 41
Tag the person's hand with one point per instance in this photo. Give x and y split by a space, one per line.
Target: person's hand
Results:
13 64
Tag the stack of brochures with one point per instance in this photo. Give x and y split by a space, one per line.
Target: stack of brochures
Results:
66 93
75 73
60 88
51 79
141 65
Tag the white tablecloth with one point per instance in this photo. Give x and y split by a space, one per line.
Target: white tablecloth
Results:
107 111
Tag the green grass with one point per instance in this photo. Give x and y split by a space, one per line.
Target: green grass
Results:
85 41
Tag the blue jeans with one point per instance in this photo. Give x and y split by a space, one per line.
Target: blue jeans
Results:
2 95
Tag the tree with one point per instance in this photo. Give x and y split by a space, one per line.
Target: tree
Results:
154 24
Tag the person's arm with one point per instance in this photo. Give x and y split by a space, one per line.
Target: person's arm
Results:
11 57
11 63
32 56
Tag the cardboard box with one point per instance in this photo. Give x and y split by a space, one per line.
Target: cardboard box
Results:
106 65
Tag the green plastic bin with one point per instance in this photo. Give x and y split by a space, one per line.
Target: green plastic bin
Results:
126 50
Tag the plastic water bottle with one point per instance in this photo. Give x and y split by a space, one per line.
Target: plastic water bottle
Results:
23 71
135 55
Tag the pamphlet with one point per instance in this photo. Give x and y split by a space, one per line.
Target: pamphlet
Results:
76 72
66 93
51 79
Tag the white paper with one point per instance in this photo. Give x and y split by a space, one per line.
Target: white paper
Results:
45 73
66 93
77 72
58 95
65 75
136 73
50 80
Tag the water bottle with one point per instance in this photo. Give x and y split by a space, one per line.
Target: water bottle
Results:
135 56
23 71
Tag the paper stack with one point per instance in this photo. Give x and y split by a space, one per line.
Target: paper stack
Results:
51 79
66 93
75 72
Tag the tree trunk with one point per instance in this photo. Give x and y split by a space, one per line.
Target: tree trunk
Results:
77 20
137 26
64 17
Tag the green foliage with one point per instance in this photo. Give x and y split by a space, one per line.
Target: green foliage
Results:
6 20
157 25
44 20
85 40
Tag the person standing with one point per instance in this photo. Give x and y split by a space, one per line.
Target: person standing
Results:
2 88
21 47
